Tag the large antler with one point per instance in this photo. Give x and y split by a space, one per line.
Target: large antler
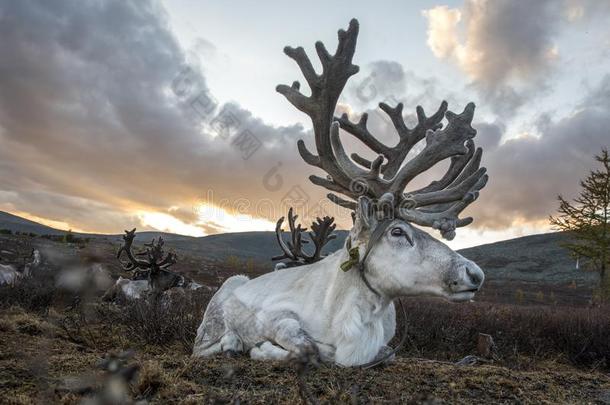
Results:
321 233
385 178
293 250
155 256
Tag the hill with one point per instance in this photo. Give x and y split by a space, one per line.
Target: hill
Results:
17 224
260 246
517 267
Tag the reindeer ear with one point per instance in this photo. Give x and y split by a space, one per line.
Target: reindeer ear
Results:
363 210
365 220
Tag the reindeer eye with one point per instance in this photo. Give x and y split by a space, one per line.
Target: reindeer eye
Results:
397 232
400 233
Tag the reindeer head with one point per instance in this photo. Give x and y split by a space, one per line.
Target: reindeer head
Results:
404 259
152 264
398 259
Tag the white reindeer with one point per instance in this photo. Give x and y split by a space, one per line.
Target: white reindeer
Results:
340 308
9 274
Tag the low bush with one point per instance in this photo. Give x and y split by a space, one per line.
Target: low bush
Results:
35 294
439 329
161 320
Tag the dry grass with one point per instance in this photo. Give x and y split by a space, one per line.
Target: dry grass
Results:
545 354
159 321
35 366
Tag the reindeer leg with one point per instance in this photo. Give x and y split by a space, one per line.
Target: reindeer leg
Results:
269 351
213 335
288 333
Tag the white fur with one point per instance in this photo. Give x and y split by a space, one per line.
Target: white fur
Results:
8 274
134 289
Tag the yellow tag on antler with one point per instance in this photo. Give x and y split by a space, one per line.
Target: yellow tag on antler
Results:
354 259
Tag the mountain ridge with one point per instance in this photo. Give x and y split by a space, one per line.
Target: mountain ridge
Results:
534 265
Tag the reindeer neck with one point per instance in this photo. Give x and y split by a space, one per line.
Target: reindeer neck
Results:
355 313
347 288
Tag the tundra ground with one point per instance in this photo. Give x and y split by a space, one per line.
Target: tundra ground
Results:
40 362
52 345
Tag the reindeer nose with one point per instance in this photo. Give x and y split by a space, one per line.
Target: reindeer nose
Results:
475 274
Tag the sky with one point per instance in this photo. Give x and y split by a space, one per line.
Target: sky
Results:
111 111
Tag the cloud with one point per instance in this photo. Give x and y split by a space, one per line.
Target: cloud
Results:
104 124
378 81
442 31
389 82
505 47
527 173
97 120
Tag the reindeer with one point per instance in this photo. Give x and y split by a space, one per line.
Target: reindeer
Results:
321 233
151 274
10 274
340 309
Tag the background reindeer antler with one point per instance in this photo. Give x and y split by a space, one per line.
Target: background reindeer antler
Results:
385 178
321 233
156 259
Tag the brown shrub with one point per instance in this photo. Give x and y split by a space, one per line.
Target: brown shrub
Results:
445 330
162 321
35 293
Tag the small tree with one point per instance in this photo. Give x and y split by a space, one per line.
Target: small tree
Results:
68 237
587 221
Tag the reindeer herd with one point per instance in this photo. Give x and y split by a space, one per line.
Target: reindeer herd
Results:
339 308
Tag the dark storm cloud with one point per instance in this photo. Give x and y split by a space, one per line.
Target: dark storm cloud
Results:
527 174
87 112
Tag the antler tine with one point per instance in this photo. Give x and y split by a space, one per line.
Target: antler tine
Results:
293 249
441 202
320 105
154 254
278 234
456 167
321 234
472 183
361 132
446 221
386 177
440 144
408 137
350 205
296 232
133 263
170 259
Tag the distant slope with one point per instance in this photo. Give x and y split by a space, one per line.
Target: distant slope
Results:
18 224
536 259
530 259
260 246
